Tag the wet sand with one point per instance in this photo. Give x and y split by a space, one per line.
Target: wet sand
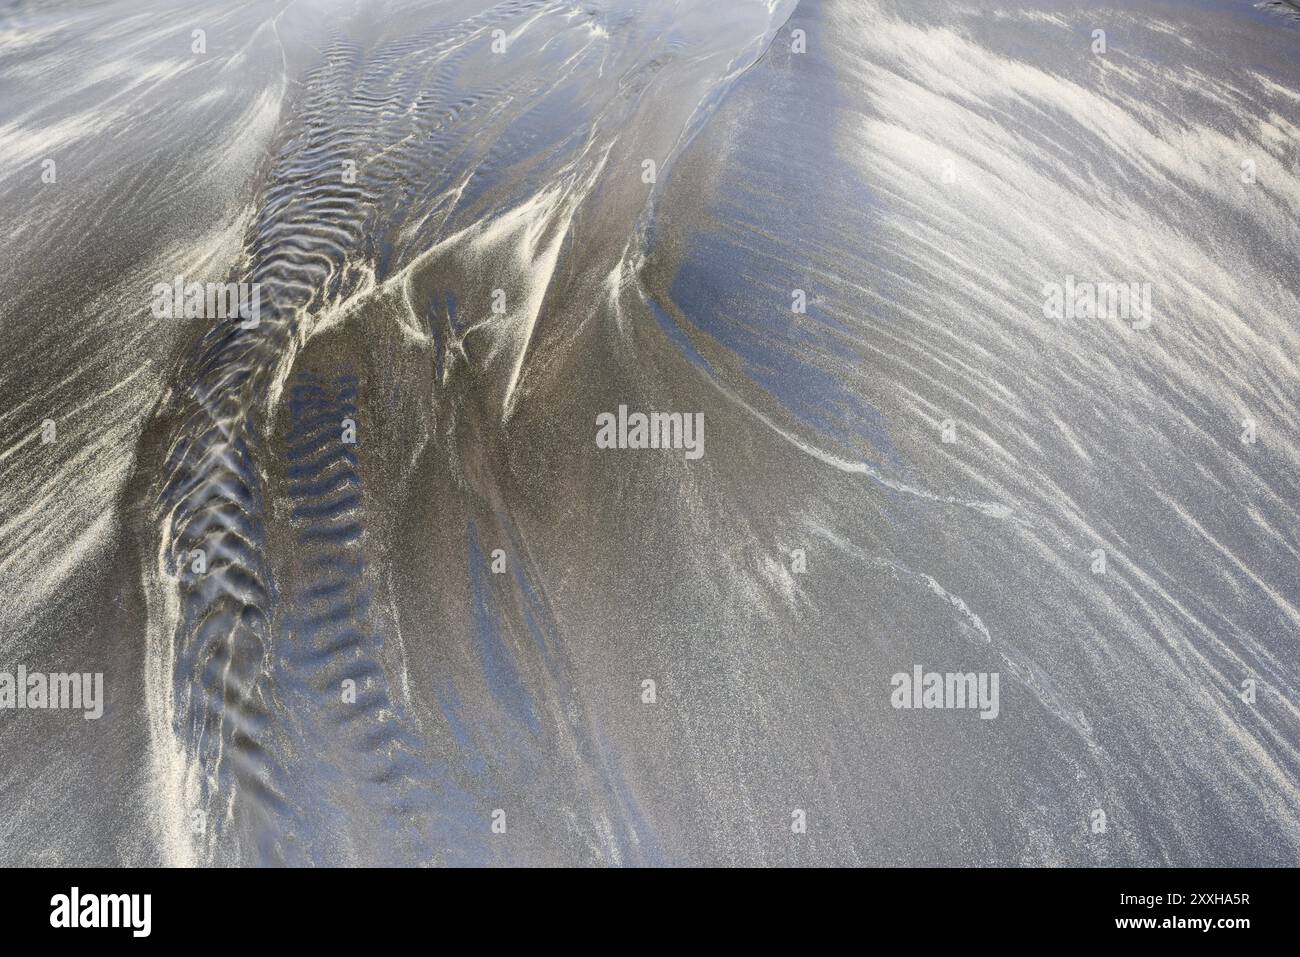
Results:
428 602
